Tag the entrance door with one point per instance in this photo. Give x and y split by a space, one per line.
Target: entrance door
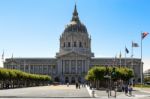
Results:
79 79
73 80
66 79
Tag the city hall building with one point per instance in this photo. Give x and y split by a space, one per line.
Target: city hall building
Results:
74 58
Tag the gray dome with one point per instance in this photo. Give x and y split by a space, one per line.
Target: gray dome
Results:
75 24
76 27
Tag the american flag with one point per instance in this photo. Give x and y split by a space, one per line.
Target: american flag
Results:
144 34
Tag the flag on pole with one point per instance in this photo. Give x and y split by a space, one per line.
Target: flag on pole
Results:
144 34
135 44
116 56
120 55
12 56
120 58
3 55
126 50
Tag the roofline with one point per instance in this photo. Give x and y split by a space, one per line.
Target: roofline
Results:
31 58
112 58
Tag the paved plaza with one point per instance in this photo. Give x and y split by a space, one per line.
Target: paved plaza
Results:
59 91
62 91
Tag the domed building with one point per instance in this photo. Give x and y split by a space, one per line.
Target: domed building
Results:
74 58
75 51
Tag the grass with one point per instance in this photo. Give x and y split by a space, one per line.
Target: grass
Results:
143 86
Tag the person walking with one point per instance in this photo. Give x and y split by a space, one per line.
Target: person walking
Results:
79 85
68 84
76 85
123 87
126 89
130 90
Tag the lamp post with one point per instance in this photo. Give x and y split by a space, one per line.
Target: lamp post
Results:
113 75
107 76
108 90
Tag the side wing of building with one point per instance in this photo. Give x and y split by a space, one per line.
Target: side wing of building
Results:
44 66
134 64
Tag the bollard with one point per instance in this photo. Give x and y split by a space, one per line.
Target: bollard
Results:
107 91
115 92
93 93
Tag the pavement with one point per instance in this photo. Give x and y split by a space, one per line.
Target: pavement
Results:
62 91
147 90
137 93
59 91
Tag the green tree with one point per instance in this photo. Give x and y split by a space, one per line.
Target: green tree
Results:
18 78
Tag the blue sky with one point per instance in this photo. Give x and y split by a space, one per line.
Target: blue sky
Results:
31 28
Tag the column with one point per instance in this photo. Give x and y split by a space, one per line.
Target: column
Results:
87 65
42 69
18 67
64 62
29 67
62 66
47 70
82 66
76 66
51 69
69 66
24 66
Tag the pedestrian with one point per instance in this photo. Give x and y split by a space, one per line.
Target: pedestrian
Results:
76 85
84 85
79 85
130 90
90 86
123 87
67 84
126 89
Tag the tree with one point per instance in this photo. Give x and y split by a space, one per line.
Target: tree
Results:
18 78
118 73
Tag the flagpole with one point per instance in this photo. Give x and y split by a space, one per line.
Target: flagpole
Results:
3 62
115 64
132 62
141 63
132 56
125 56
3 58
120 62
120 58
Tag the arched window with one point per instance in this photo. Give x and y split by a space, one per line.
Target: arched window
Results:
64 44
74 44
68 44
85 44
80 44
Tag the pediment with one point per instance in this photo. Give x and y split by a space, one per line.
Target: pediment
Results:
71 54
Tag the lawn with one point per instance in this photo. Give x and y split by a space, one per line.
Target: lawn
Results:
143 86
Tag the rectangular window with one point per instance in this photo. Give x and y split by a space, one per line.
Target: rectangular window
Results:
75 44
80 44
68 44
64 44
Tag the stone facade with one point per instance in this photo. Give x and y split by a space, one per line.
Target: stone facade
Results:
74 58
147 73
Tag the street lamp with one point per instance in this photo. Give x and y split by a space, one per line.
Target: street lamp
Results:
107 76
